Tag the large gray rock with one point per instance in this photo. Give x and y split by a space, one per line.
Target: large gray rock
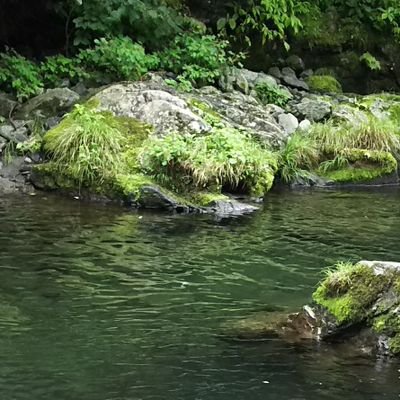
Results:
288 122
312 109
168 111
352 115
6 105
165 111
231 207
290 79
50 103
16 134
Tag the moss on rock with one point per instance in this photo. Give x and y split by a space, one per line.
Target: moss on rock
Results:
324 84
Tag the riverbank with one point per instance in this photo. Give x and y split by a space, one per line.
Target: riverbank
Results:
159 147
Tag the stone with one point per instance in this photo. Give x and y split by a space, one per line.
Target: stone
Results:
295 62
264 79
153 197
312 109
11 134
53 102
231 207
305 125
275 72
288 122
306 74
6 105
290 79
165 111
352 115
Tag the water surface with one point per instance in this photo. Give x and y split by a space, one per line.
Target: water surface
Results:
99 303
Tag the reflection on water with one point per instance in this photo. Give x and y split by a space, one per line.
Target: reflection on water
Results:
101 303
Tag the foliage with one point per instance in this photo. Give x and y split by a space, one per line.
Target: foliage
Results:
373 135
153 22
19 75
57 68
299 156
86 145
224 158
271 19
269 94
324 84
370 61
198 59
118 59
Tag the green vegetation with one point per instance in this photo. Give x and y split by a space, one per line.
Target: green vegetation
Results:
224 158
198 59
19 75
269 94
298 158
324 84
117 59
349 290
370 61
86 146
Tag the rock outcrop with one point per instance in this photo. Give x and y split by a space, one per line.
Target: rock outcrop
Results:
356 303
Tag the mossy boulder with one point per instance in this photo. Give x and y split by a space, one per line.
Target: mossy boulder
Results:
357 304
324 84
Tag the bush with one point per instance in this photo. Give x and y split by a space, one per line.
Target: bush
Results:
324 84
117 59
370 61
86 146
299 156
224 159
57 68
197 59
19 75
269 94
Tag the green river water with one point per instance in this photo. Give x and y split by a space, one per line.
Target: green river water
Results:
100 303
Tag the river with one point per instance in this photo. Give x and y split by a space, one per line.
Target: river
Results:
101 303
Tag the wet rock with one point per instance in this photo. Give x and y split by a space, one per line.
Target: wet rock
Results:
53 102
231 207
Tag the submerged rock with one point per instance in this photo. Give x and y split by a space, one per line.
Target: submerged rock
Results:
355 303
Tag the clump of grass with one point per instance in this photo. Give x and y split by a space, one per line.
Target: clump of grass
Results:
374 135
86 145
324 84
224 158
270 94
299 156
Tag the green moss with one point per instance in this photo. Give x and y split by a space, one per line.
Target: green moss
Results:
130 185
394 344
347 292
205 111
205 199
360 166
48 177
324 84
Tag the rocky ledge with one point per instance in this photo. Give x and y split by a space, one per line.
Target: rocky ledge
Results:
355 303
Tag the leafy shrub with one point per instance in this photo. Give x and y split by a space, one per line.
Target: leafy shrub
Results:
197 59
225 158
269 94
324 84
299 156
86 145
152 22
370 61
270 19
56 68
19 75
118 59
